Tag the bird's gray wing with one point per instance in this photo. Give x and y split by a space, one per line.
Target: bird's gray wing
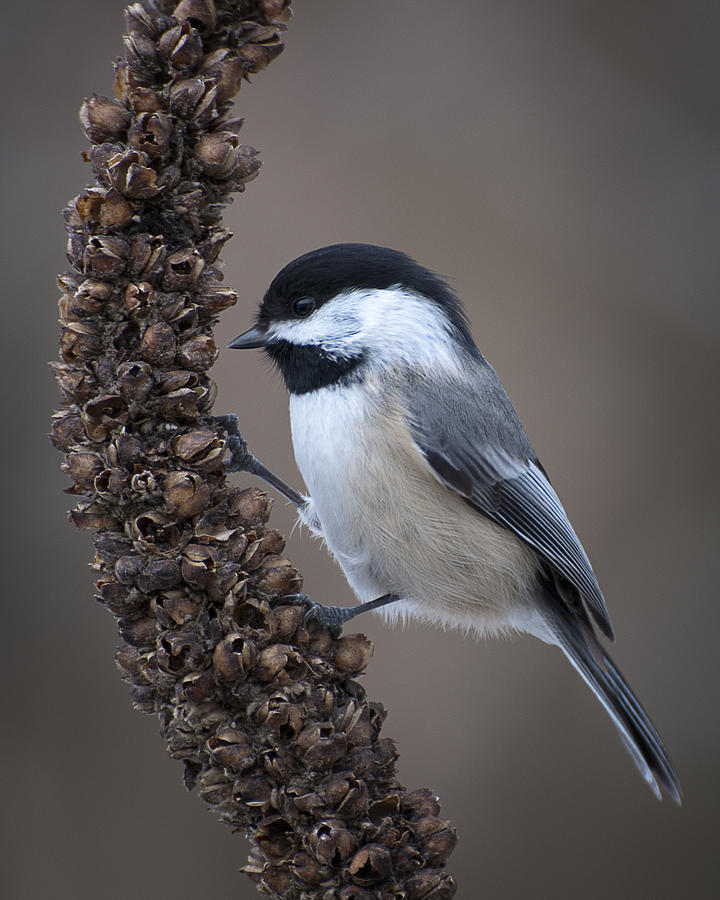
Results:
475 446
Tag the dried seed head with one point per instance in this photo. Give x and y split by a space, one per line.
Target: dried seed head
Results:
352 653
199 564
182 46
275 10
103 119
203 450
332 843
66 430
228 71
430 884
186 494
194 99
82 466
370 865
145 100
182 269
158 345
150 134
134 380
105 256
234 657
199 13
147 256
436 838
129 173
104 415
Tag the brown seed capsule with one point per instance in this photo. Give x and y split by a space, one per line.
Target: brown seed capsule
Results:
66 430
275 10
78 342
237 757
308 870
182 270
420 804
183 46
124 450
131 176
82 466
150 134
199 564
186 494
217 153
198 687
104 415
105 256
346 794
134 381
261 46
127 568
199 13
158 345
203 450
93 517
173 607
332 843
103 119
145 100
321 746
370 865
139 632
352 653
227 69
159 575
147 256
278 577
275 838
430 884
234 656
194 98
199 353
436 838
180 652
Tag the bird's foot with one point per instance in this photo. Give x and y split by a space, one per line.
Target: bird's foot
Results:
331 617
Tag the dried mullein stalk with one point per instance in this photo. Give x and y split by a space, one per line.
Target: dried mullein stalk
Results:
274 732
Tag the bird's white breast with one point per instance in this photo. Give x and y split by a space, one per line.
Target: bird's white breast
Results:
392 527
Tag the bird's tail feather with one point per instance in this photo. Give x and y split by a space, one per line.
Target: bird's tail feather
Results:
578 642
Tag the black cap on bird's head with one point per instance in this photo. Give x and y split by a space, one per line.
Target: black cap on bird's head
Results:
311 280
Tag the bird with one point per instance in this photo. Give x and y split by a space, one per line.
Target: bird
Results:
420 478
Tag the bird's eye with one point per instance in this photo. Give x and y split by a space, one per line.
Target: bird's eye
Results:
304 306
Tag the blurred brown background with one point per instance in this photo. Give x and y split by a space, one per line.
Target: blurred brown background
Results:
560 161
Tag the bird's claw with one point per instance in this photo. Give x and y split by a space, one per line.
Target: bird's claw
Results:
331 617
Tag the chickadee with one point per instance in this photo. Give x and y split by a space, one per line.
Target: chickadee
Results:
421 479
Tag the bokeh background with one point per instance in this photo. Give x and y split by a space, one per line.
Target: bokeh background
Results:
560 162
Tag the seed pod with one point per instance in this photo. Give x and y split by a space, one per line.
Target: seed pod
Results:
75 384
182 46
278 577
186 494
66 430
308 870
199 564
103 415
228 71
103 119
159 575
234 656
430 884
122 601
146 257
182 270
370 865
332 843
420 804
261 45
139 632
200 449
199 353
131 176
200 13
150 134
78 342
105 256
436 838
352 653
180 652
92 517
197 687
275 838
275 10
158 345
82 466
144 100
195 99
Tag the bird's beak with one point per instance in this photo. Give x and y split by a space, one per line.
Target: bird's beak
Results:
254 337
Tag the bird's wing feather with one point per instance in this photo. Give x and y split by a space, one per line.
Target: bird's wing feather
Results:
498 474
